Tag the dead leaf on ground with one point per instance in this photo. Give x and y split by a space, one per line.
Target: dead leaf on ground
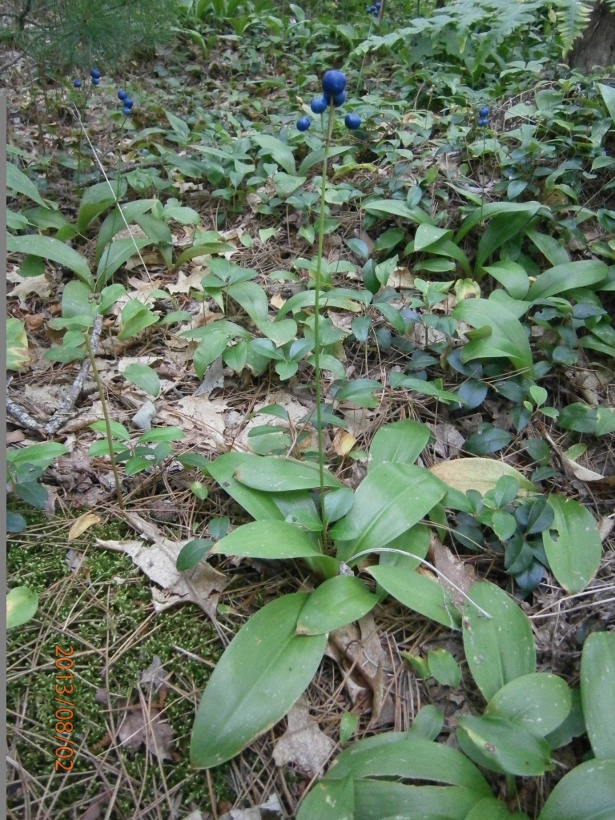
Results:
343 442
266 811
25 285
145 725
452 569
83 523
153 678
213 378
449 440
94 810
401 278
303 743
480 474
201 585
185 283
73 560
14 436
200 419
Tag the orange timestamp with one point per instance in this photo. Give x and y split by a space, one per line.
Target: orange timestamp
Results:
64 715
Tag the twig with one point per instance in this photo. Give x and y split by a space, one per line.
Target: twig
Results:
14 411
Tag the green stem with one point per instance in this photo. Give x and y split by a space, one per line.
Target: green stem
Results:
511 786
103 401
317 284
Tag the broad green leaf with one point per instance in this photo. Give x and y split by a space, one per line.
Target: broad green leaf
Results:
568 276
400 442
280 151
598 692
444 667
398 754
425 388
414 541
418 592
511 276
192 552
259 504
501 229
17 355
572 544
279 332
32 493
389 500
480 474
263 671
114 223
427 235
316 157
117 430
144 377
585 793
608 95
179 126
117 254
492 209
17 181
427 723
335 603
550 247
329 800
572 727
283 474
507 339
209 349
396 207
49 248
503 746
285 185
252 299
268 539
77 300
162 434
498 649
490 808
207 249
21 606
377 799
539 701
327 300
97 199
337 503
40 455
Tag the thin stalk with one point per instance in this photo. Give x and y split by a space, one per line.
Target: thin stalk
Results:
103 401
317 284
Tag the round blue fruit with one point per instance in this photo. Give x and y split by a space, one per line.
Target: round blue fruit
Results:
95 81
128 103
125 110
484 112
318 105
339 99
483 122
77 83
333 82
95 74
121 94
352 121
303 124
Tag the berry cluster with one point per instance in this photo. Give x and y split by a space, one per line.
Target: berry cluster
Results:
333 85
483 117
95 75
126 101
374 10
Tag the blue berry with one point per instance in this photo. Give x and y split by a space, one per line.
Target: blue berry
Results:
338 99
333 82
303 124
95 74
319 104
126 110
352 121
95 81
77 83
128 103
483 122
121 95
484 112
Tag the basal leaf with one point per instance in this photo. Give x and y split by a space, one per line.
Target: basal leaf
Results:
480 474
282 474
598 692
268 539
506 340
538 701
418 592
585 793
49 248
335 603
21 606
503 746
401 442
572 544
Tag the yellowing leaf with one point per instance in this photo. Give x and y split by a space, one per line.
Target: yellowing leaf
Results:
83 523
480 474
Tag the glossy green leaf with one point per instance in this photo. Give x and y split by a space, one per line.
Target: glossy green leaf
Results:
380 799
21 606
348 724
425 388
573 726
49 248
490 808
206 249
389 500
418 592
498 649
585 793
282 474
144 377
40 455
572 543
401 442
337 503
492 209
116 254
192 552
501 229
327 300
262 672
268 539
280 151
114 223
598 692
608 95
444 667
97 199
259 504
17 181
414 542
503 746
252 299
427 723
539 701
329 800
396 207
506 340
335 603
316 157
565 277
511 276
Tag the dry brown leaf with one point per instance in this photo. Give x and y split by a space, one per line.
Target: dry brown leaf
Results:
34 321
153 678
201 586
303 743
14 436
480 474
449 440
25 285
144 725
343 442
83 523
461 573
266 811
185 283
401 278
200 419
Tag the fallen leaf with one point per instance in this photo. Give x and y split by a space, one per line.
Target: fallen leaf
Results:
14 436
266 811
303 743
94 809
143 724
73 560
343 442
34 321
153 678
213 378
449 440
480 474
200 419
606 527
401 278
83 523
25 285
185 283
455 574
200 586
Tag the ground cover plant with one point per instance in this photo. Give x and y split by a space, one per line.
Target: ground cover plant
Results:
310 403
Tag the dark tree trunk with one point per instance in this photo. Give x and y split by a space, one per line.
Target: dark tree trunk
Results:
596 47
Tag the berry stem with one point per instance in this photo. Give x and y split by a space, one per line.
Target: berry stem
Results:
317 283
